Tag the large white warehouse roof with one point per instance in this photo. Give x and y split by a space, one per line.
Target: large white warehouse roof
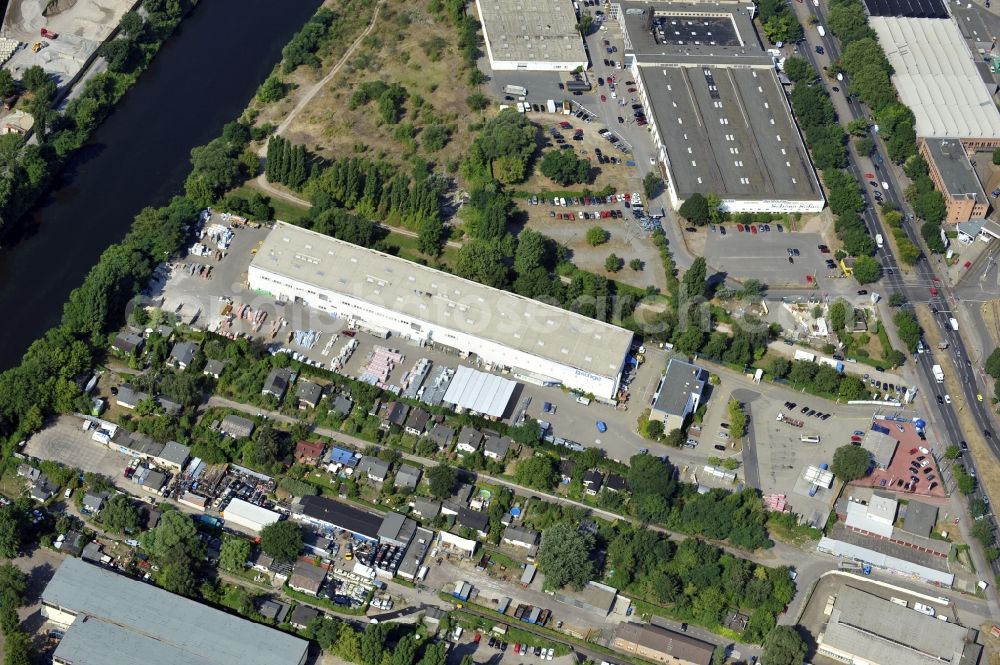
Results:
480 392
392 284
249 515
937 78
531 31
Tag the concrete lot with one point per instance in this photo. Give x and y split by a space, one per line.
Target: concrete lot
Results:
775 456
764 256
66 442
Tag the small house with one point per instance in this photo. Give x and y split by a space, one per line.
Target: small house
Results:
416 422
309 394
309 452
426 509
127 398
276 383
407 477
214 368
565 469
341 405
376 469
302 616
92 503
469 440
127 343
615 483
441 435
182 355
307 578
273 610
496 447
520 536
237 427
478 522
394 415
593 481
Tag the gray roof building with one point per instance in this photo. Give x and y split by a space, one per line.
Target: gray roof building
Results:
417 422
115 619
592 481
182 354
396 529
427 509
441 435
214 368
679 393
276 383
302 615
309 394
376 469
478 522
327 514
306 577
920 518
615 483
236 426
955 170
126 342
866 627
662 645
342 406
394 414
496 447
128 398
520 536
407 476
469 440
174 454
92 503
273 609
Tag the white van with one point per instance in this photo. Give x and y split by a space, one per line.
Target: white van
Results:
879 241
821 30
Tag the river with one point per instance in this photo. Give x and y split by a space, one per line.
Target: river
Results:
202 78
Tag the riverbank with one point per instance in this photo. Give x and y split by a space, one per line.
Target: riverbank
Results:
138 157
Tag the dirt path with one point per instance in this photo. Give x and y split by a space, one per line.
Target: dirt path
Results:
319 85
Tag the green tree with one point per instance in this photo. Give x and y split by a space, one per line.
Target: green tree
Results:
797 69
10 532
613 263
635 264
441 480
17 649
850 462
430 235
651 184
483 262
596 236
564 556
282 540
234 554
838 315
982 531
784 646
533 251
175 538
695 209
120 515
897 299
996 156
271 90
7 85
653 429
907 328
538 472
585 23
779 367
694 280
867 270
737 419
992 365
564 167
528 433
435 137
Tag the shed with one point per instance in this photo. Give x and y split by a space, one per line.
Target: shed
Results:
248 515
528 575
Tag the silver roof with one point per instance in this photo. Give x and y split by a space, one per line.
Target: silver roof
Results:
128 622
531 30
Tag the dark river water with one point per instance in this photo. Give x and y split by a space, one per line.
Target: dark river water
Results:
202 78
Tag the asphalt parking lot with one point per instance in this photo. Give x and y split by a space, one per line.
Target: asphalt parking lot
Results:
65 441
774 456
764 256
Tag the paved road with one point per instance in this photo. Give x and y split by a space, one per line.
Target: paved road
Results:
751 469
849 109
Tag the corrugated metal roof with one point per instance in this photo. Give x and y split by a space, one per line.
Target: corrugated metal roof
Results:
247 513
132 623
936 77
480 392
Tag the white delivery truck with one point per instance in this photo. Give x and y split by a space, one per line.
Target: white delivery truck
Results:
938 373
821 30
954 323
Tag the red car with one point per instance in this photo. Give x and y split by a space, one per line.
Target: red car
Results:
739 227
603 98
753 228
934 291
631 89
347 333
571 217
477 637
517 647
565 125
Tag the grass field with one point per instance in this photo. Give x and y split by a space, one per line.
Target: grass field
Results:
284 210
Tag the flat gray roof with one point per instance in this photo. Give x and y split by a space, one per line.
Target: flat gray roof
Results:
679 382
920 518
391 283
881 631
130 622
531 30
728 131
956 170
702 31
